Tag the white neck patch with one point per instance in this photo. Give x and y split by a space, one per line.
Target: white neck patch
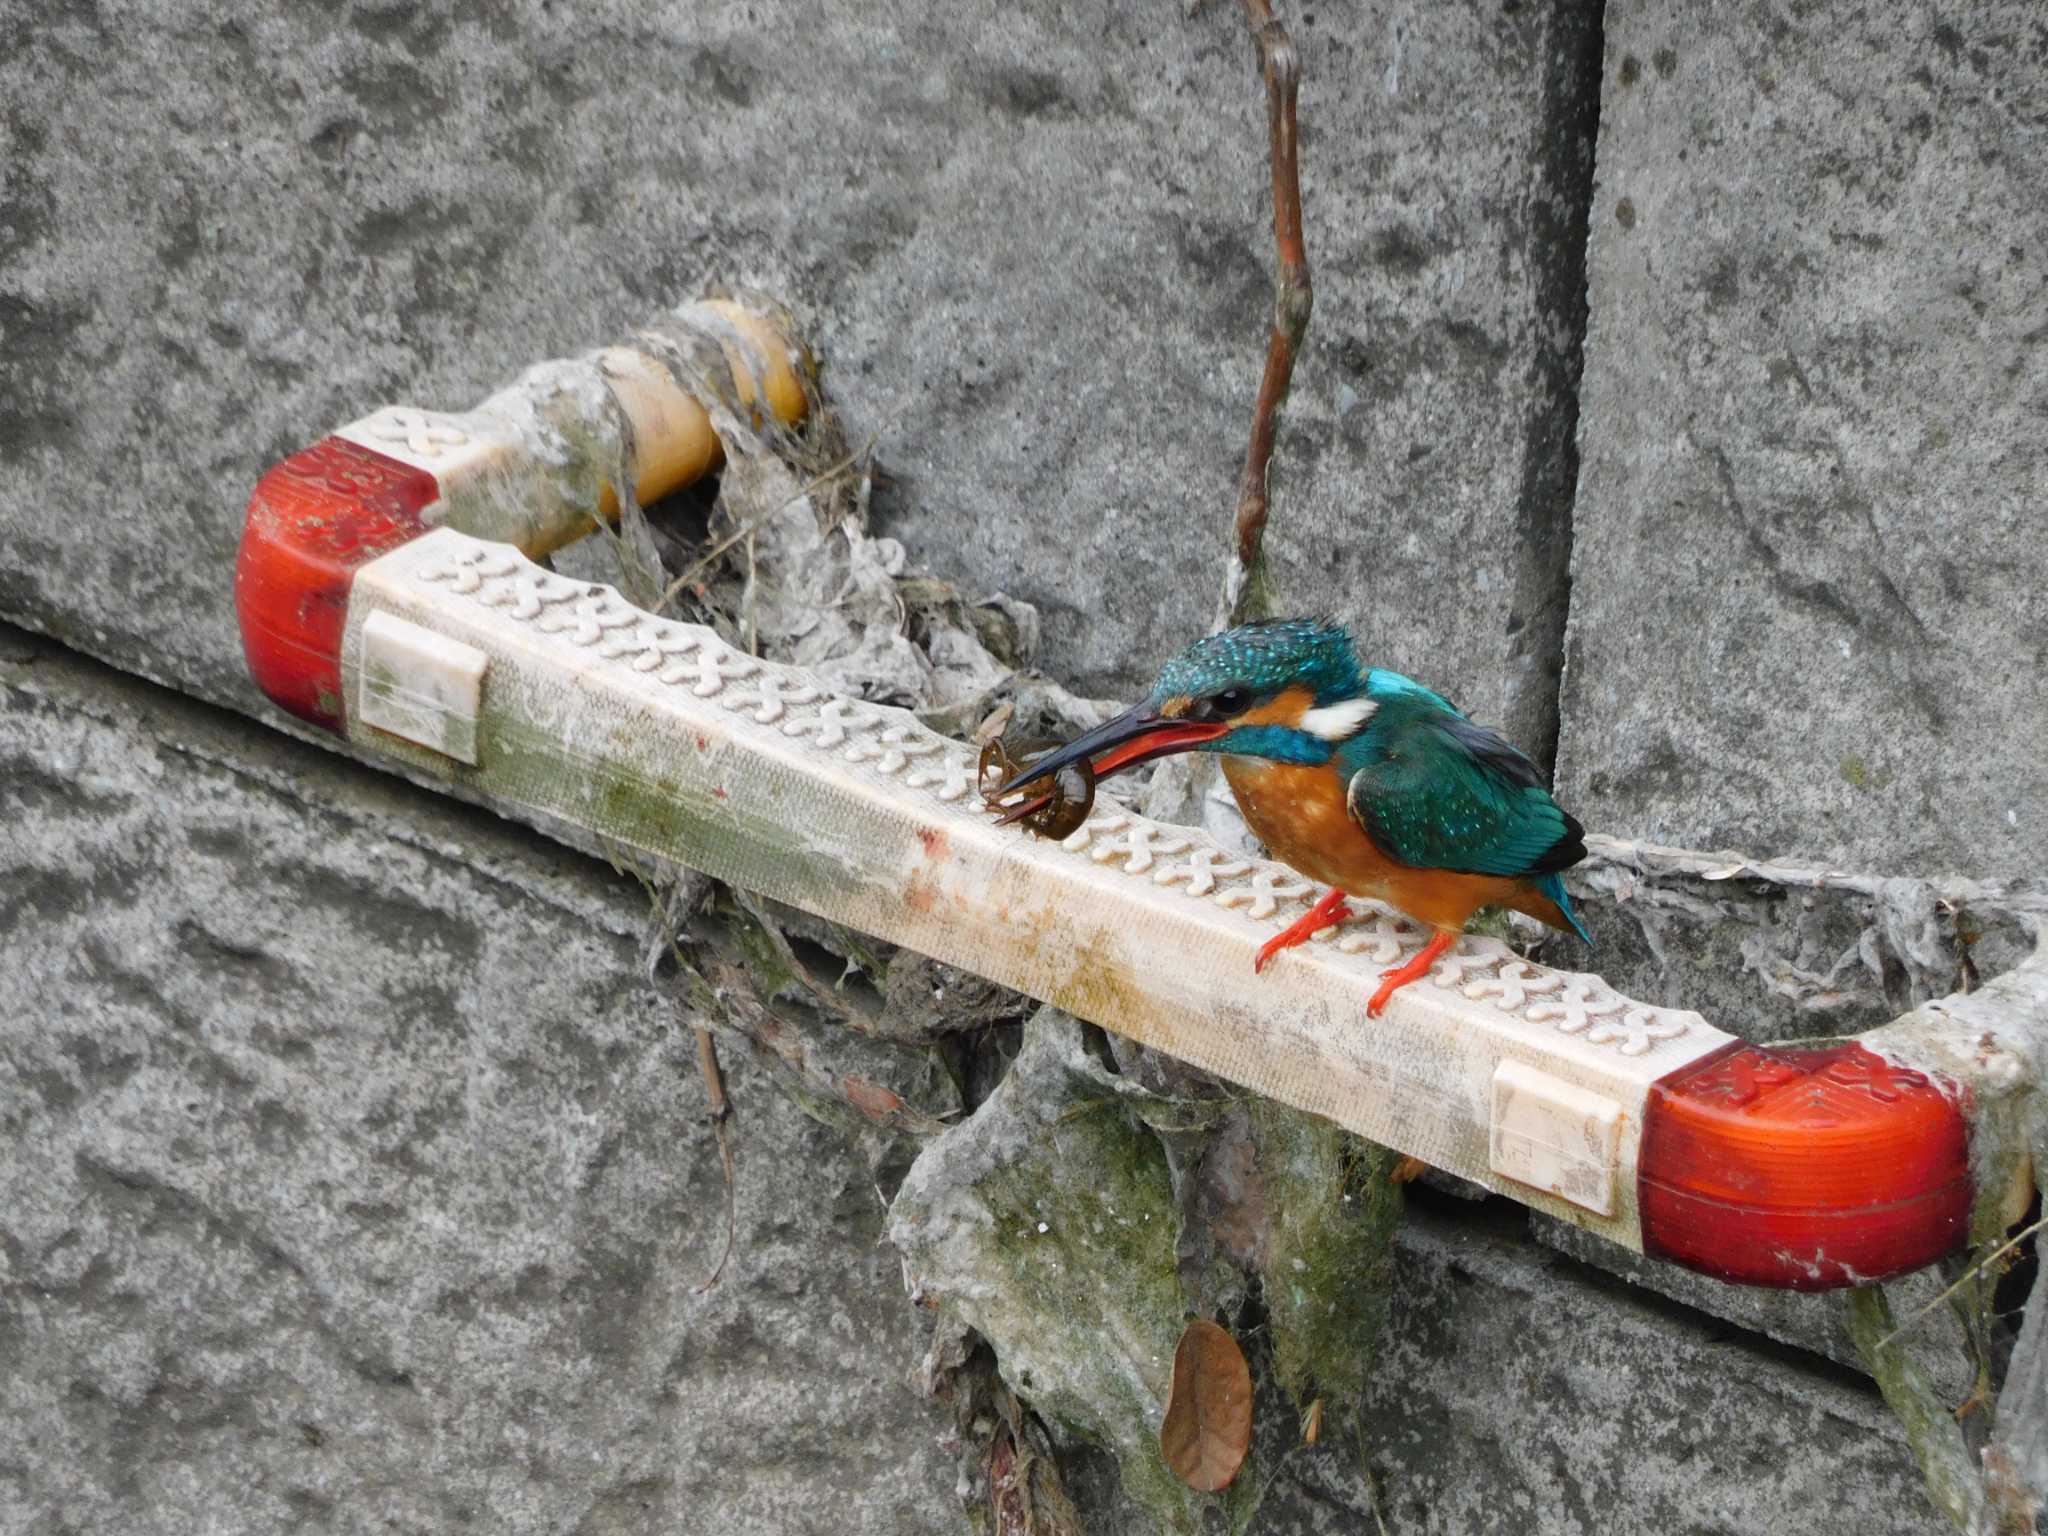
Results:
1339 722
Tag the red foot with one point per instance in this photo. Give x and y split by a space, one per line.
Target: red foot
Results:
1325 912
1391 981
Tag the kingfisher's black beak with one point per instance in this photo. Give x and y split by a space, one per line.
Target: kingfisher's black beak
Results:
1137 735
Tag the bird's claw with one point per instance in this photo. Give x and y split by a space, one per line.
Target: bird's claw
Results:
1331 909
1395 977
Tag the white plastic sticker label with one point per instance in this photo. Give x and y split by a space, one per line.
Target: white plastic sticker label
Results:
420 685
1555 1136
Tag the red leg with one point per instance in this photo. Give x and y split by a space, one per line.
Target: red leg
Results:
1399 976
1329 910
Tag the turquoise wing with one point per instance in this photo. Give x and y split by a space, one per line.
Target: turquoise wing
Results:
1435 791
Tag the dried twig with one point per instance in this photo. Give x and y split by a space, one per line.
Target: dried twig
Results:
670 904
1181 786
1293 299
828 998
1967 1276
720 1112
748 529
786 1047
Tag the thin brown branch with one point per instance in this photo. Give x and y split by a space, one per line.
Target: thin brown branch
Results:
785 1047
1968 1275
828 998
1293 300
720 1112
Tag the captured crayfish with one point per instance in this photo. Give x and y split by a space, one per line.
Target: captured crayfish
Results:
1052 807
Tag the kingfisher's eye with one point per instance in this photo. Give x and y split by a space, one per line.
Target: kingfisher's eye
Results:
1230 701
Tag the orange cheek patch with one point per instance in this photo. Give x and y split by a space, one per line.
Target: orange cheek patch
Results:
1285 708
1173 709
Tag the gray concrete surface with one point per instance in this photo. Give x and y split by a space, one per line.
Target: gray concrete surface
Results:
1629 1415
1807 618
1032 241
1810 596
355 1183
1816 1322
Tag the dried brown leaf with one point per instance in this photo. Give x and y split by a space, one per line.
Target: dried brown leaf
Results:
1208 1424
1406 1169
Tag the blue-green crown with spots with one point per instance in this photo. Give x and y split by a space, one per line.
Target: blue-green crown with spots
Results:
1267 657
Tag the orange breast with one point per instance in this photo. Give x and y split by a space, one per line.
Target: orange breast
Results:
1300 814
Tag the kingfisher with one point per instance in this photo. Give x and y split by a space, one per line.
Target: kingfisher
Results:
1360 778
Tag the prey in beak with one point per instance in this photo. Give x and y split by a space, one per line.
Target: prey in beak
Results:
1138 735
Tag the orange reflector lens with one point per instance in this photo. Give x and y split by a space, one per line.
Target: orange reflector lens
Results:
313 521
1803 1169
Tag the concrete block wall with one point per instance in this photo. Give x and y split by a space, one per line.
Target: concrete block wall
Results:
1776 541
1810 602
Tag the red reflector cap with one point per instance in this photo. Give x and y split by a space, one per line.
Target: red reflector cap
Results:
314 520
1802 1169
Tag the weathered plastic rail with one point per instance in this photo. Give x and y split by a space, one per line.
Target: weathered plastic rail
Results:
366 609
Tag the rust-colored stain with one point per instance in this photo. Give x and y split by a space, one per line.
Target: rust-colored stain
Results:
718 790
703 742
922 894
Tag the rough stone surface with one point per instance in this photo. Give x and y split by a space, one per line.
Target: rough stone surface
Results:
1811 1321
1630 1415
354 1181
1810 599
1032 241
1046 1222
1517 1392
265 1263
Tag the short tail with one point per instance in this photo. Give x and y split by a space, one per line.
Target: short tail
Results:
1548 900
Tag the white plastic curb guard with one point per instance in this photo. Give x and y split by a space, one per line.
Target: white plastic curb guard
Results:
469 661
370 605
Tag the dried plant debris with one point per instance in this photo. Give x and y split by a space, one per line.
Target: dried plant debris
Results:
1045 1222
1026 1496
1049 1223
1312 1423
1792 950
779 560
1208 1425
